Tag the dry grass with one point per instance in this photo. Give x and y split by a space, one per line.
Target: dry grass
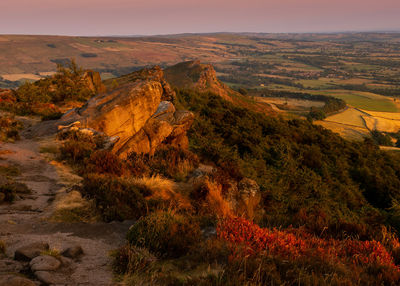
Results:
162 189
215 203
51 252
71 207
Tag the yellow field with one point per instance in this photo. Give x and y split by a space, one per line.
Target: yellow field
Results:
355 124
292 104
350 116
352 133
19 76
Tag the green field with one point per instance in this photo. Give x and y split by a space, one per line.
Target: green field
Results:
363 100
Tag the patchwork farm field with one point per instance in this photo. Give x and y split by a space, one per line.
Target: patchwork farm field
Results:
363 69
364 100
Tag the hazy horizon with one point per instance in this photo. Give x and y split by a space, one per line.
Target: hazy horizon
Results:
155 17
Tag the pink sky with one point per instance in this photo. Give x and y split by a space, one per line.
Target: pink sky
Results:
133 17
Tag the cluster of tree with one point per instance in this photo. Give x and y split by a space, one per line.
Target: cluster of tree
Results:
381 138
67 84
332 104
316 61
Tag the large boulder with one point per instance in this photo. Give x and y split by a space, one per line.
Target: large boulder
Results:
30 251
122 113
137 113
165 126
44 263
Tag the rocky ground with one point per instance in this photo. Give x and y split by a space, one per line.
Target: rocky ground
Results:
40 251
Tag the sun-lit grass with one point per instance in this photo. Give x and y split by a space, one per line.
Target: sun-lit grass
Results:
363 100
162 189
51 252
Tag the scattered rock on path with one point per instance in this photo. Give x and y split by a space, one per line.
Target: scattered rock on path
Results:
46 277
13 280
30 251
73 251
44 263
10 266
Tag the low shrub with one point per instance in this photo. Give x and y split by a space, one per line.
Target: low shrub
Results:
215 203
169 161
8 170
9 191
104 162
370 259
165 234
9 128
162 192
129 259
116 198
76 151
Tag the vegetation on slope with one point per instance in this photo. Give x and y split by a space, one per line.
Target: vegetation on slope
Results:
328 212
308 175
45 96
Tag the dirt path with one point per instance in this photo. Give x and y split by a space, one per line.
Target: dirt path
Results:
27 220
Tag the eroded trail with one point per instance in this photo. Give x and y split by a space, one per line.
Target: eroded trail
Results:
27 220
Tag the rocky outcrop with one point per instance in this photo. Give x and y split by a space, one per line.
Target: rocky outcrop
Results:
136 115
198 76
244 197
93 81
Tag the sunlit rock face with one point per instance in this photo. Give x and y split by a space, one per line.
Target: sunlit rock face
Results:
136 114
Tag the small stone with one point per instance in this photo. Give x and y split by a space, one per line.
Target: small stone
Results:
65 261
30 251
10 266
13 280
73 251
44 263
45 277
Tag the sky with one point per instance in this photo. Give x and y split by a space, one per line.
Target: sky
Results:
154 17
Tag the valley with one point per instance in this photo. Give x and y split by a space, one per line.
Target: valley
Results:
224 169
363 69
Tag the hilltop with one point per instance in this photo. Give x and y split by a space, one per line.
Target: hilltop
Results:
214 192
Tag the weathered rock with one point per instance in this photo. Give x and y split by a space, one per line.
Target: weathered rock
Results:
137 116
46 277
73 251
203 170
30 251
13 280
123 112
244 197
209 232
10 266
93 81
65 261
44 263
166 125
248 188
198 76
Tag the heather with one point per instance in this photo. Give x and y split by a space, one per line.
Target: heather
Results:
253 200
